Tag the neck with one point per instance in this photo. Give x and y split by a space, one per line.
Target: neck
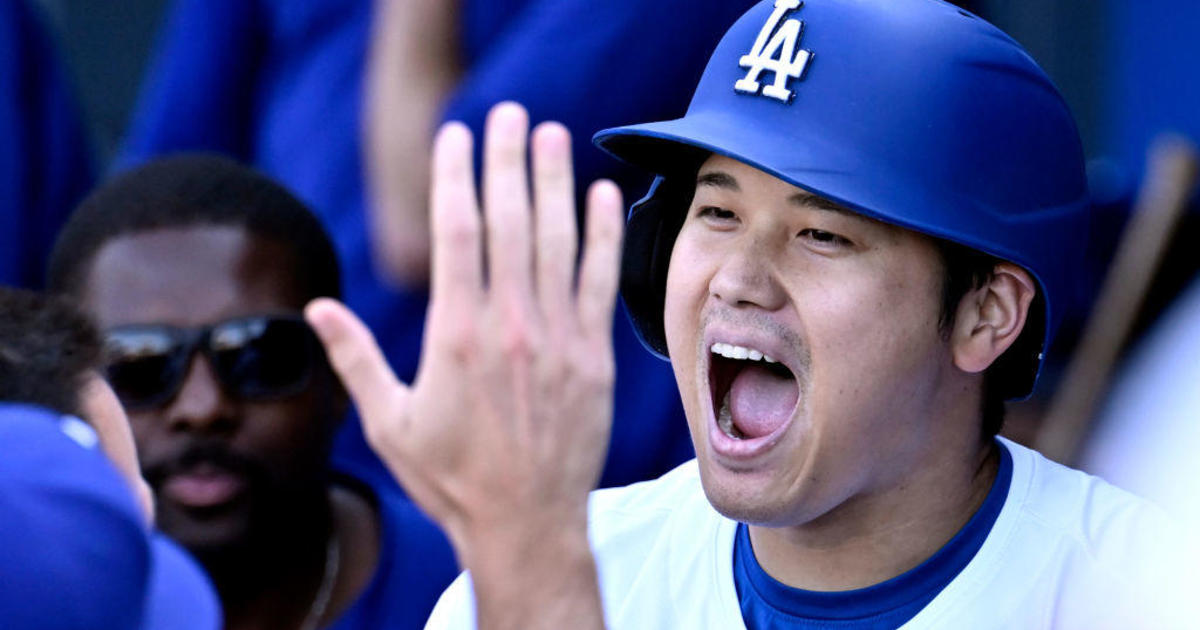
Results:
873 537
269 579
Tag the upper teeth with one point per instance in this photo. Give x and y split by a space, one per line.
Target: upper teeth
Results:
730 351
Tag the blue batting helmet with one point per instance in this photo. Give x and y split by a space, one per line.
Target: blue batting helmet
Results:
913 112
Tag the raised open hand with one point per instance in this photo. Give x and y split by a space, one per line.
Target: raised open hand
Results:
507 423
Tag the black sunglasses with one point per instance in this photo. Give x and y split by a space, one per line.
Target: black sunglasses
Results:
254 358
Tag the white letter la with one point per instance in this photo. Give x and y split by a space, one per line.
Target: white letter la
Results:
775 51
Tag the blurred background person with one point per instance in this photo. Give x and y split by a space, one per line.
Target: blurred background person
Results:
196 269
280 84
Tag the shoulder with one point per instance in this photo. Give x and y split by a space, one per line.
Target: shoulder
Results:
455 610
1084 510
1077 551
628 526
657 527
1068 550
640 504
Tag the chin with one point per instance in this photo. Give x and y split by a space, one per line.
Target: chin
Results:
206 534
745 499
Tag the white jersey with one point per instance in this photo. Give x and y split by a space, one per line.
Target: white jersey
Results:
1067 551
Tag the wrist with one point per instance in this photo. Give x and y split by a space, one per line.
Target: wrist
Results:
522 539
531 575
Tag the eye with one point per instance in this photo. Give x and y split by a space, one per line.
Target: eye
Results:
824 238
716 213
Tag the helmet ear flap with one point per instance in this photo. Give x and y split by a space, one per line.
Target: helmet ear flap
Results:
654 222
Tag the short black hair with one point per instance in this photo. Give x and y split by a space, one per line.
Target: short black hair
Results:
190 190
48 351
1013 373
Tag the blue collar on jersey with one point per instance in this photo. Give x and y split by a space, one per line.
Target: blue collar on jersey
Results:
768 603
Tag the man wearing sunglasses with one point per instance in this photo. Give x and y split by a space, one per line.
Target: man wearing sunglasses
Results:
196 269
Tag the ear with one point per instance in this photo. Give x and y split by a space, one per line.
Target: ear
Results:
990 318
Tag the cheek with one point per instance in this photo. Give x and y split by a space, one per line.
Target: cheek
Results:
686 291
147 435
295 432
876 341
142 425
680 327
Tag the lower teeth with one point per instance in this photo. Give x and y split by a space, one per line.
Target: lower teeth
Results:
725 420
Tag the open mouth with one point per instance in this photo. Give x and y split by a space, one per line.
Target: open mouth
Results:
753 395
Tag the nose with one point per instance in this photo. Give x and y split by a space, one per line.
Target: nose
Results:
746 277
201 404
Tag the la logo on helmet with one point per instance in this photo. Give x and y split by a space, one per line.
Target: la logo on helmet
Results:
776 50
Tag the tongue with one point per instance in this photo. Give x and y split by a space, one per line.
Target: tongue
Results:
761 401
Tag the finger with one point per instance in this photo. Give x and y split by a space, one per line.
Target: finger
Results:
600 268
554 201
457 260
506 202
358 362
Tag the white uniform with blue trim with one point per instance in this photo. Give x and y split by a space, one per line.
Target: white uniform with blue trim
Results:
1067 551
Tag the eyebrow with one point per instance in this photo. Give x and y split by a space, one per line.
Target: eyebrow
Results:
820 203
725 181
718 179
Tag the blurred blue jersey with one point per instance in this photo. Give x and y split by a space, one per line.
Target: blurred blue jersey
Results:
45 167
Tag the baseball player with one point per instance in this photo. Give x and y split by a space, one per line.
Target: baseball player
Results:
864 233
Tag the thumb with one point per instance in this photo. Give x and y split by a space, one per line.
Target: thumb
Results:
356 358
